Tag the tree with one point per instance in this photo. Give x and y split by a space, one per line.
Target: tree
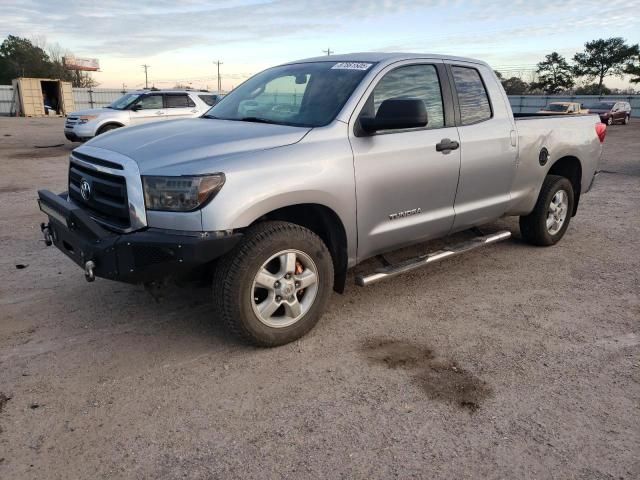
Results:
21 58
554 74
602 58
593 89
633 68
515 86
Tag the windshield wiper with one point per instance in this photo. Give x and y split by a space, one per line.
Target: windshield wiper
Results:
256 120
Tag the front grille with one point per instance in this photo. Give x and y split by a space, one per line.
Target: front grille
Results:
108 198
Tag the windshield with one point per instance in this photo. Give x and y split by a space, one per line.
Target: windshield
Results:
602 106
556 107
125 101
304 94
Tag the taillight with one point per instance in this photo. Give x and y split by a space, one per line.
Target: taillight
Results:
601 131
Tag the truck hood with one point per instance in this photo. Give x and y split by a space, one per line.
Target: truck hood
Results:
170 143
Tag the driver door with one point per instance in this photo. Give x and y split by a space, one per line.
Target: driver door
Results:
405 186
148 108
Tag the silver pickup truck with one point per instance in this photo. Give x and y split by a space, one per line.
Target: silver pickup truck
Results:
311 167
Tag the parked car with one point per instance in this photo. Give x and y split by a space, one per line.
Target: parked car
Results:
381 151
136 108
562 108
612 112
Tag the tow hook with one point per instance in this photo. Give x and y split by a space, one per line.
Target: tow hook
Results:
89 274
47 234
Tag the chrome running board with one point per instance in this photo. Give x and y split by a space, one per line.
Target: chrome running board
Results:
406 266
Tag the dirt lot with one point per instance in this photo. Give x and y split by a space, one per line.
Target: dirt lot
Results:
510 362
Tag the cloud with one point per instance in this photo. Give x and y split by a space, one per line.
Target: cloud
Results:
126 28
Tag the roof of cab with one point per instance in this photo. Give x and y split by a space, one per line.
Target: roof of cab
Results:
384 57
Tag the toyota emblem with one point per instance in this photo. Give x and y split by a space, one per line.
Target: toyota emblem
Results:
85 189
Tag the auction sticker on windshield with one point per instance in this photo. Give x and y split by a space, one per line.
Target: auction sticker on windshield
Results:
351 66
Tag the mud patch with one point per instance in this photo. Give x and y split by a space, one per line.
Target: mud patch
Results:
3 401
42 153
11 189
440 378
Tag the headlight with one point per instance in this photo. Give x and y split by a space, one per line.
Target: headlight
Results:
87 118
180 194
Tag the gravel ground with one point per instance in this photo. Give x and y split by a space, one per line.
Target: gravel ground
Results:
508 362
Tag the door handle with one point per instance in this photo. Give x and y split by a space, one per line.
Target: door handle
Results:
159 112
194 111
446 145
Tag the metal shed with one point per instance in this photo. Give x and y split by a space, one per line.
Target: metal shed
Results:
39 97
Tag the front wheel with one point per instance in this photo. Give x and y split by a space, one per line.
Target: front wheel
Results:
626 119
610 121
549 220
273 287
107 128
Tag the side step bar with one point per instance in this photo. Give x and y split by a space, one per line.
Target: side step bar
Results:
406 266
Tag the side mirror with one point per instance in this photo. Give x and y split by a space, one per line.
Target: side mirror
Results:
136 107
396 114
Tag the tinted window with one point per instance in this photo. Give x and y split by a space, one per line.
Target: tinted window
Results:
150 102
418 82
472 96
208 99
179 101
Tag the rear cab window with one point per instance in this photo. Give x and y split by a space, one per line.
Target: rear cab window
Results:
472 95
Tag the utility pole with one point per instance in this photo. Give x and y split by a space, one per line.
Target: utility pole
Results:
328 51
146 77
218 63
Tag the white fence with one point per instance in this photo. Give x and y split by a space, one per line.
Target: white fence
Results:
100 97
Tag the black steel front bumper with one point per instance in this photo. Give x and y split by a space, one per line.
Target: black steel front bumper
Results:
142 256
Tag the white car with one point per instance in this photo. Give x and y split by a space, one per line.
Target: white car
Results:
136 108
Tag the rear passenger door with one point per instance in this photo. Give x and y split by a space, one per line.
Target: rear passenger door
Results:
179 105
487 145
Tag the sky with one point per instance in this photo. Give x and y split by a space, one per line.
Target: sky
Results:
181 39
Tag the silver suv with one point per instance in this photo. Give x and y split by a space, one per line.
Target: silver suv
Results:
136 108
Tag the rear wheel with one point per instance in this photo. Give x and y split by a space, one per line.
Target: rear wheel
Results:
273 287
549 220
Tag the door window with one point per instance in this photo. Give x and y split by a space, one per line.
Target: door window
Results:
472 95
418 82
178 101
150 102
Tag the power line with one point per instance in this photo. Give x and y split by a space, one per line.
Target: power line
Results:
146 77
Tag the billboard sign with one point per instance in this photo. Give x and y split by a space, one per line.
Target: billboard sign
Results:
76 63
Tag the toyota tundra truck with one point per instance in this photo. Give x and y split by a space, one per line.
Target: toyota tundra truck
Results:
311 167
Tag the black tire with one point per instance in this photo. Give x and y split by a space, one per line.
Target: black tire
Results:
626 120
533 227
235 272
610 120
106 128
